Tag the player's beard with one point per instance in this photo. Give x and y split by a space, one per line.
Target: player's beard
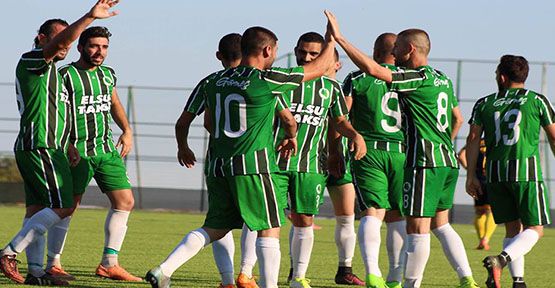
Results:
88 59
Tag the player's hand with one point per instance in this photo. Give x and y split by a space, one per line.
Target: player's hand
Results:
336 165
101 9
333 25
358 147
73 155
288 147
186 157
473 187
125 142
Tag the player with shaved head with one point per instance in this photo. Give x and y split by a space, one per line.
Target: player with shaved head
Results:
432 120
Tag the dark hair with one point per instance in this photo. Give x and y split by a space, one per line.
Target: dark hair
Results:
310 37
47 27
255 39
94 32
513 67
230 46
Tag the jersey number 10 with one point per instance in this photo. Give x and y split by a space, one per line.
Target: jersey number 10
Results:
226 110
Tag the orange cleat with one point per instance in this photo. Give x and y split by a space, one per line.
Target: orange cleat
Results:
116 273
243 281
60 273
8 265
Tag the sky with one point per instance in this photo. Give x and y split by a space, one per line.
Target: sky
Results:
171 43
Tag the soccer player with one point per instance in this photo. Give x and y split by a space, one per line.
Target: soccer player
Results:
342 194
510 121
93 96
241 103
229 53
379 175
432 120
483 218
304 175
41 145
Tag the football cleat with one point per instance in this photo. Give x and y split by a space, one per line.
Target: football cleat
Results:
300 283
157 279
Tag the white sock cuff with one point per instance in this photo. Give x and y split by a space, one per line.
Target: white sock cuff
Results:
305 231
401 224
49 215
372 220
345 219
202 236
443 229
267 242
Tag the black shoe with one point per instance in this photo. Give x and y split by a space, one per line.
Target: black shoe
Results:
290 277
519 285
44 280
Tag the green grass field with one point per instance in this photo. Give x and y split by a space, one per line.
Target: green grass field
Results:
152 235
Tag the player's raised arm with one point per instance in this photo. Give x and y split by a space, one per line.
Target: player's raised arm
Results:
101 10
361 60
322 64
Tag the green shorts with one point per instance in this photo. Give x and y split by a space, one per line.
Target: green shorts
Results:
379 179
347 177
527 201
46 176
250 199
426 190
305 190
107 169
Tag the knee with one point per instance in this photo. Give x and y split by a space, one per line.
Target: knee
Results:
124 203
302 220
64 212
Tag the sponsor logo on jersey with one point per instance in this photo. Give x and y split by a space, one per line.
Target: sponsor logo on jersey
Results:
508 101
95 104
226 82
309 114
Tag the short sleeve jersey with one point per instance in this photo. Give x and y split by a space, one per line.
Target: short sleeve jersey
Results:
427 102
90 94
242 102
375 112
311 104
43 104
511 122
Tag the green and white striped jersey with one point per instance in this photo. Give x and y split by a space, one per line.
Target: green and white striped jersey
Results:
43 104
375 112
511 122
427 102
90 94
241 103
311 104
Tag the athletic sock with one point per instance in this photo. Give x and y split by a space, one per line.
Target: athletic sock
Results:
191 244
345 239
369 239
480 225
248 250
303 241
522 243
290 238
35 254
453 248
267 251
516 266
56 240
35 227
396 250
224 251
115 228
418 252
490 225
